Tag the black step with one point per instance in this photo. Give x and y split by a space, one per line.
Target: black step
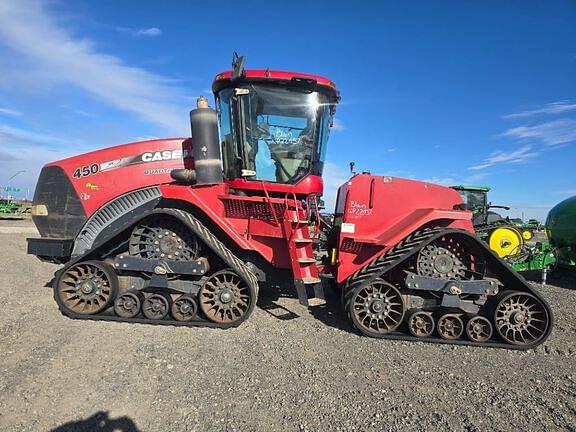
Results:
306 260
303 240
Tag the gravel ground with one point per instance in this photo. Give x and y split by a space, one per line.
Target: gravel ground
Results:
284 369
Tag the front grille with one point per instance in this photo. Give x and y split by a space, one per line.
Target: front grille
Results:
241 209
65 215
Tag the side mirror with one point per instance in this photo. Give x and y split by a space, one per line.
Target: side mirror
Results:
237 66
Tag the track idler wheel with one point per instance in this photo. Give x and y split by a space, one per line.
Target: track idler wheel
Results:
225 297
450 326
129 304
376 309
421 324
184 308
156 306
87 288
521 319
479 329
163 237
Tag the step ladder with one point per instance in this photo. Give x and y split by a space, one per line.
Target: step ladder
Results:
306 277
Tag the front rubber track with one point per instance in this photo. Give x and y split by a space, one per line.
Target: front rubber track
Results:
211 241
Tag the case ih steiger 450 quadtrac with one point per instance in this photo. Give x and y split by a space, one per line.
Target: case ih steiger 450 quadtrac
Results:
186 231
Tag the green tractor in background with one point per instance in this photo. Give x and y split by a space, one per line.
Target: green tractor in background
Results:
7 206
522 244
11 209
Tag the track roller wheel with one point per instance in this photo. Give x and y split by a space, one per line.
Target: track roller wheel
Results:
421 324
184 308
156 306
521 319
450 326
225 297
375 309
87 288
129 304
479 329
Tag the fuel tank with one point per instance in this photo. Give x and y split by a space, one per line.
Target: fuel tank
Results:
561 223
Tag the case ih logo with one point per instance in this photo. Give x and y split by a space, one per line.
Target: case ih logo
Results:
165 155
143 158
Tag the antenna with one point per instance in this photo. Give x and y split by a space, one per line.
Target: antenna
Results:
352 168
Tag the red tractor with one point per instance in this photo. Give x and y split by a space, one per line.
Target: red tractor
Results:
185 231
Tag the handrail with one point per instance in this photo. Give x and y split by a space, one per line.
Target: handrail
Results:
286 204
272 209
318 222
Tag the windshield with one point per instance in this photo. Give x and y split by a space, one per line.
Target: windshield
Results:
282 131
475 201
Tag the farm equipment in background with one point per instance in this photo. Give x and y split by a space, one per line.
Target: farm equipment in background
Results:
187 231
7 206
561 230
12 209
522 244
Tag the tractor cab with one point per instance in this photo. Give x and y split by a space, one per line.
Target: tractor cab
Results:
274 129
476 201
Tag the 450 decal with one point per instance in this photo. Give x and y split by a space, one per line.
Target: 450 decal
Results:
86 170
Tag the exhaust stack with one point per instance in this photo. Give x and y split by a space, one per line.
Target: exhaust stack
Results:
205 145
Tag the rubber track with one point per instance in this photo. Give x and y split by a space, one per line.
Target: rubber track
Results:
214 244
408 247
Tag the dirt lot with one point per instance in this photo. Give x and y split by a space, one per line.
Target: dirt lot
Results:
284 369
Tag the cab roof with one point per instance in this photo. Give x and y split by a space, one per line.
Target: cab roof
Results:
472 188
224 79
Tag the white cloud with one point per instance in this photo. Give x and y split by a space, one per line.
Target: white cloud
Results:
566 192
454 179
15 136
334 176
527 211
77 111
151 31
10 112
55 55
22 150
442 181
550 108
337 125
521 155
145 138
474 178
550 133
29 158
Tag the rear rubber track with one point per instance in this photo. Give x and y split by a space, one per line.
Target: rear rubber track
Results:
410 246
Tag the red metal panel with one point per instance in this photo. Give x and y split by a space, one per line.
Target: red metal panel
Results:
103 175
379 211
249 227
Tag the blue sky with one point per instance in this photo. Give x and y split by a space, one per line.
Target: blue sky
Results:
477 92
